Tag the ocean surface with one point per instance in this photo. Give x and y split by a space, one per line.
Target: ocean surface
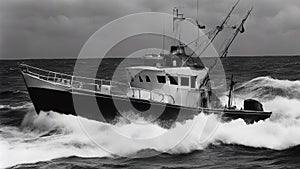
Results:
53 140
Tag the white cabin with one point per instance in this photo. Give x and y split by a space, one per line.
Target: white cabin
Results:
187 86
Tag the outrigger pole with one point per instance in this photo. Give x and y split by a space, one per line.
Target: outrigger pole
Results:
218 29
240 29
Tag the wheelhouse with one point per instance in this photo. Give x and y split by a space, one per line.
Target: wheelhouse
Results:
184 84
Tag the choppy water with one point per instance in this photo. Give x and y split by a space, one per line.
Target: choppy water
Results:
57 141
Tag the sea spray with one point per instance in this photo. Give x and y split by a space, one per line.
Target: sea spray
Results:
30 143
266 134
281 131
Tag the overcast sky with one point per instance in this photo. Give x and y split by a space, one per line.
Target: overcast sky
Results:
59 28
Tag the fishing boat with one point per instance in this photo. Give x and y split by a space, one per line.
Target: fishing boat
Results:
169 88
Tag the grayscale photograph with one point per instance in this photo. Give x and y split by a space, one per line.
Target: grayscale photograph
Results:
162 84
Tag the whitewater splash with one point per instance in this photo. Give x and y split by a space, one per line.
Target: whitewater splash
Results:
51 135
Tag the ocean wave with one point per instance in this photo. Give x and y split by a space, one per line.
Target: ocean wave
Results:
12 92
5 107
268 88
24 105
13 115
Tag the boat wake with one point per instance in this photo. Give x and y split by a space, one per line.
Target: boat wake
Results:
52 135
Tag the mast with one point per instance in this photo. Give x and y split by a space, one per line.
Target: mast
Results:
230 92
240 29
177 17
163 40
197 20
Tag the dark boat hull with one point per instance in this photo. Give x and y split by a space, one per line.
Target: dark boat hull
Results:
108 108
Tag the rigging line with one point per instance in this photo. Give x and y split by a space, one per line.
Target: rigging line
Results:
221 49
217 31
208 34
199 46
225 42
240 29
233 28
197 19
197 10
220 28
163 45
197 39
179 34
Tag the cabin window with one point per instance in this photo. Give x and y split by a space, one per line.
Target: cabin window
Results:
173 80
147 79
161 79
193 81
141 80
184 81
174 63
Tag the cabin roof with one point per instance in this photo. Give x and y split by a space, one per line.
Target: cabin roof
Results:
170 70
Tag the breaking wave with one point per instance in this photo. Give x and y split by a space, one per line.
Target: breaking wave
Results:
267 88
52 135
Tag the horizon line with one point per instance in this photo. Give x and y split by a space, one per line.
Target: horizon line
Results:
267 55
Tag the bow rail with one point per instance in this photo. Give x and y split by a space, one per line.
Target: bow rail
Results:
96 85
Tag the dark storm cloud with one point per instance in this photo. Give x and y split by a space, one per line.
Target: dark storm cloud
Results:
54 28
59 28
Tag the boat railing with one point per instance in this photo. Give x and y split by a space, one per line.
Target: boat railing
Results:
153 95
96 85
77 82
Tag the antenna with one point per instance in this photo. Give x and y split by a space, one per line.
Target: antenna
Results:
175 13
197 18
177 17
